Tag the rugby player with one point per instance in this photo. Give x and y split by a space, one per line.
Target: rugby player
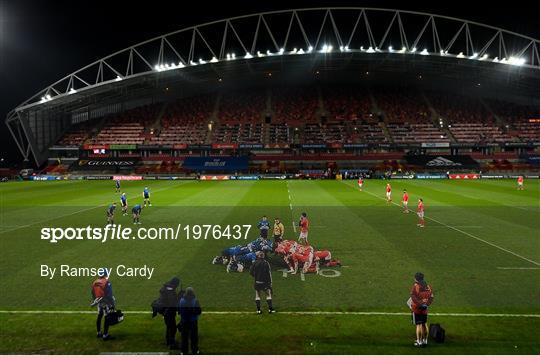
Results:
304 229
388 192
520 183
420 213
146 197
136 210
117 183
264 226
110 214
303 255
360 183
123 201
405 201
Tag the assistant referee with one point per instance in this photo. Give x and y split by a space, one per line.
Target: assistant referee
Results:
260 270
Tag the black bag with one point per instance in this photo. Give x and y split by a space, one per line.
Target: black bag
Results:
114 317
437 333
157 307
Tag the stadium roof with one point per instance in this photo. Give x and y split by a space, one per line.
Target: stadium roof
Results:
239 49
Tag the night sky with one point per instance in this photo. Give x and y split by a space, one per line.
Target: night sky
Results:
42 41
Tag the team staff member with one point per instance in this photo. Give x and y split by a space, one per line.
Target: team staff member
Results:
104 299
261 272
189 310
279 230
168 296
421 299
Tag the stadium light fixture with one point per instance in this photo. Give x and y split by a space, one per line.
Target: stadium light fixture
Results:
460 55
413 50
424 52
484 57
48 97
310 49
201 61
503 60
214 60
346 48
233 55
268 53
516 61
294 51
341 48
228 56
248 55
72 91
118 78
370 50
180 65
474 56
192 63
259 54
300 51
361 48
281 50
390 49
496 59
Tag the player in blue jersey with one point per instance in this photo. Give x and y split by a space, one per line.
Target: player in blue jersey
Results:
146 197
117 185
136 210
110 213
123 201
264 226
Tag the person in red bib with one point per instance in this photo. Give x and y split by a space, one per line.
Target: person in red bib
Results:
405 201
420 213
388 193
420 299
520 183
360 183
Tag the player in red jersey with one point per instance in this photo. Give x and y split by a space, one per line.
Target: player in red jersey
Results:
388 193
304 229
405 201
303 255
420 212
520 183
360 183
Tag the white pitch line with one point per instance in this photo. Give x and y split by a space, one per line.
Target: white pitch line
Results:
498 315
465 233
69 214
526 268
290 206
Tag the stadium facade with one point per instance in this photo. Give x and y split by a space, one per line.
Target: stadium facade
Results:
367 50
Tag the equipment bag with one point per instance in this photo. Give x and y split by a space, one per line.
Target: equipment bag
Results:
114 317
437 333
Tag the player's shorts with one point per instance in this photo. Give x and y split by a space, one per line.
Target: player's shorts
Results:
420 214
418 319
405 203
360 185
262 286
264 233
388 194
303 235
147 197
520 184
124 204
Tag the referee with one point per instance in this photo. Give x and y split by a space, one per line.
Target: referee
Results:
260 270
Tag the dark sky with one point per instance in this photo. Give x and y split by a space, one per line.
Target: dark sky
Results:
44 40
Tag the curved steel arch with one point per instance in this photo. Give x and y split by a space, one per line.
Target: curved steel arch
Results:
464 40
105 72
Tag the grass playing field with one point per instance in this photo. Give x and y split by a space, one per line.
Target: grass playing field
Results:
480 251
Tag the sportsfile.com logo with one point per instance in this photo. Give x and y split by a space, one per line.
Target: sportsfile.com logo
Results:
119 232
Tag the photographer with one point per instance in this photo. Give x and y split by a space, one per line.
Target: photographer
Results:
168 300
421 298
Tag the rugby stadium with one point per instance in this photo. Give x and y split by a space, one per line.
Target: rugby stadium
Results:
205 152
